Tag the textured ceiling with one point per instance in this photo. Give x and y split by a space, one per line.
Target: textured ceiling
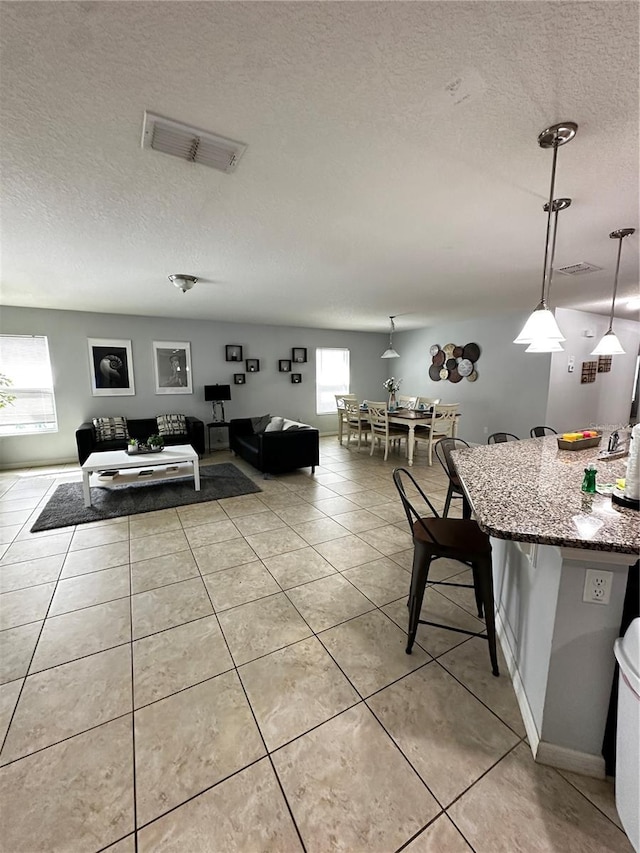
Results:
373 183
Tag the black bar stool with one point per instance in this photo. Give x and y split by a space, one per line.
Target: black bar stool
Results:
456 539
499 437
541 431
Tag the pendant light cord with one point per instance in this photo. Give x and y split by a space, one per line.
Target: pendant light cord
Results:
546 245
615 285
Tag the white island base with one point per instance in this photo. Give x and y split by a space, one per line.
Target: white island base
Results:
558 648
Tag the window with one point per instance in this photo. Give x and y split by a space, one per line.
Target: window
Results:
332 377
25 361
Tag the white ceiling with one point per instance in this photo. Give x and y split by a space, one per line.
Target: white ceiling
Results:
366 190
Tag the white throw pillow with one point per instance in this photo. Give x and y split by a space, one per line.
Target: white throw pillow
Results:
294 425
275 425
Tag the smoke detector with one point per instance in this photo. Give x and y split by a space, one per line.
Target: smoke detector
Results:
191 143
578 269
183 282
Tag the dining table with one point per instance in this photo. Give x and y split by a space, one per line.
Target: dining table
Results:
413 418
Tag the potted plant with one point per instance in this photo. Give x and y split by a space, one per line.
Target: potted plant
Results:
155 442
132 446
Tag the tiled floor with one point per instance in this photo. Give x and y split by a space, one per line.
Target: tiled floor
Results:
232 677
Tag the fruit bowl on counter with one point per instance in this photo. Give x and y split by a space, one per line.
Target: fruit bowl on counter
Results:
581 439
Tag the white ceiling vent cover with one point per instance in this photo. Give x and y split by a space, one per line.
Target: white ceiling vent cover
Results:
578 269
191 143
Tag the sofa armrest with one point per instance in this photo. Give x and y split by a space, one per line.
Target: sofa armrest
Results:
85 441
195 434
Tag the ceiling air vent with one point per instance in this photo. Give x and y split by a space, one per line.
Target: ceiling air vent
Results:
191 143
578 269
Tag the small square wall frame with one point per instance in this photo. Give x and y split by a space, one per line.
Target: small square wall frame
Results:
239 379
284 365
252 365
233 352
299 355
296 378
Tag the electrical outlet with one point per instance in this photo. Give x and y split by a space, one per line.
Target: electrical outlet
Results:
597 586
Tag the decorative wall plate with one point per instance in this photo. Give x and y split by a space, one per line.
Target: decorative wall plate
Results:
454 375
457 352
471 351
434 373
448 349
472 376
444 373
465 367
433 349
438 358
451 364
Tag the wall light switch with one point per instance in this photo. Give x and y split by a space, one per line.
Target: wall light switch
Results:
571 363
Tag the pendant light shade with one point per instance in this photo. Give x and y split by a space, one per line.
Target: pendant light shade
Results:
390 352
541 325
545 346
609 344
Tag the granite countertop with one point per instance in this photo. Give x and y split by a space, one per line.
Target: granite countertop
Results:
529 491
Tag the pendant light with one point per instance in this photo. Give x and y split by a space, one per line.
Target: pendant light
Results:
390 352
549 344
609 344
542 324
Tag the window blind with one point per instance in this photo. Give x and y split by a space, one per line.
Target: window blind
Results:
24 360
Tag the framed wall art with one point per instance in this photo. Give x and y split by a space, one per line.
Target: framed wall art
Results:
239 379
233 352
111 367
299 355
284 365
172 366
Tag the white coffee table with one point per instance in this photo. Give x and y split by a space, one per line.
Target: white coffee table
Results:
181 458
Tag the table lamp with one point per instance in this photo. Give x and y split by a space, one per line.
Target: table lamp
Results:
216 394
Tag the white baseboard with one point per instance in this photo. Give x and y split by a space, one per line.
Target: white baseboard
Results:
570 759
551 754
523 703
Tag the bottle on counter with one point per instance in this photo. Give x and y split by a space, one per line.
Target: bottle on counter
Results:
589 480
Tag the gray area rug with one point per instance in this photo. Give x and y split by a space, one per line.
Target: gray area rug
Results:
66 505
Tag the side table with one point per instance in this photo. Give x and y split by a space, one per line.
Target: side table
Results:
216 425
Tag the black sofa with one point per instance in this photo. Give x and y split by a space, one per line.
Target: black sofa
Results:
140 428
275 452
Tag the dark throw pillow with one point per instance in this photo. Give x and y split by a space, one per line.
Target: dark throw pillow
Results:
260 424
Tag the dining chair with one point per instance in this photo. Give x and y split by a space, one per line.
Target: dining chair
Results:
541 431
441 424
342 415
381 429
499 437
452 538
443 450
356 422
406 402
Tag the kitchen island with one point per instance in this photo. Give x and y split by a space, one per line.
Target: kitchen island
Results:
546 533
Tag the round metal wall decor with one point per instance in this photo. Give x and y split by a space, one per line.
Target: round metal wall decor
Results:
465 367
454 362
